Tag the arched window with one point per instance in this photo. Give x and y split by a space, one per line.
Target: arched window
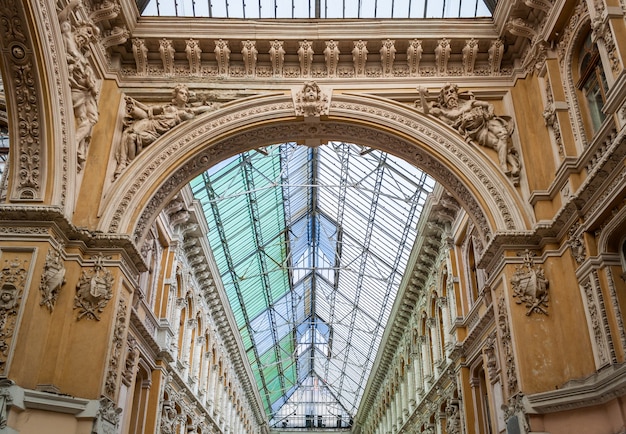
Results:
592 82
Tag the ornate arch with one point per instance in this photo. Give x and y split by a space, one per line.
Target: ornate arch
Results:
40 157
153 178
567 50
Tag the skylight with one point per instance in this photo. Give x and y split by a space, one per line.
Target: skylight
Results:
311 244
308 9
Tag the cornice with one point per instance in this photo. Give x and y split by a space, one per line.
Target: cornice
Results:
599 388
316 30
14 217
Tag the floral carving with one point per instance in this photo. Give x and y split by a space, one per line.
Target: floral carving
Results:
52 279
507 346
94 290
12 282
117 344
530 286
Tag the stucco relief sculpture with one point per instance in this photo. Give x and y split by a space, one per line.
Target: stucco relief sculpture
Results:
476 121
52 279
84 86
453 418
12 281
530 286
94 290
311 101
144 124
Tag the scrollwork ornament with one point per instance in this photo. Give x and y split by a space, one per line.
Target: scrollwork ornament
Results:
52 278
530 286
94 290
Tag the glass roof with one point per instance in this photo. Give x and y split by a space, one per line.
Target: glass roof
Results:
311 244
318 8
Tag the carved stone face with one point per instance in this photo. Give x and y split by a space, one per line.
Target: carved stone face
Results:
310 94
7 297
451 97
181 96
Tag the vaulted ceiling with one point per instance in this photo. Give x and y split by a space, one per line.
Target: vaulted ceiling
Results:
312 244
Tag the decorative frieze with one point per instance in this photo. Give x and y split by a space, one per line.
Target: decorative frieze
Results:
530 286
52 278
94 290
